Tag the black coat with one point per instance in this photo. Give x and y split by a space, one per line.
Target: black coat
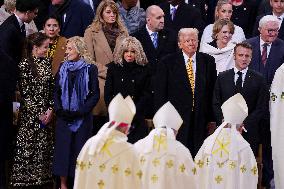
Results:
186 17
68 144
131 80
256 95
173 85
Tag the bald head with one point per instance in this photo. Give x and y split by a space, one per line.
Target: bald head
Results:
155 18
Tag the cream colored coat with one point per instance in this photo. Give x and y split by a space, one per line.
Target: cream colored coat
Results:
277 126
101 53
165 163
116 166
219 169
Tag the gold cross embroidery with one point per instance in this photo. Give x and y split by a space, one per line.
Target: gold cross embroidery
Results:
170 163
182 168
90 164
232 165
207 161
102 167
142 160
101 184
160 141
114 168
127 172
243 169
200 163
194 171
154 178
139 174
156 162
254 170
218 179
82 165
273 97
220 165
105 148
222 148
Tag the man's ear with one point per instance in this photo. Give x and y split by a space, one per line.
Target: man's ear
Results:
179 45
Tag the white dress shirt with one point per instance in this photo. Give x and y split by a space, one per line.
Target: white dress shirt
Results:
244 72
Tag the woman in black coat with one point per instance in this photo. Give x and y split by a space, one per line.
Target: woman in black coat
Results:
130 76
76 94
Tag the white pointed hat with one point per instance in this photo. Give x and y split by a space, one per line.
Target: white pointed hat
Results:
235 109
121 110
167 116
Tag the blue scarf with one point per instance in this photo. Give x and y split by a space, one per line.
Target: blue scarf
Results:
80 88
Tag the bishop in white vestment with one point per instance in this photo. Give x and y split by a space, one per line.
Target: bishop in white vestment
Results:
107 160
225 160
277 126
166 163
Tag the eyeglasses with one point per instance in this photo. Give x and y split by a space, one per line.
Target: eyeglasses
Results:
272 30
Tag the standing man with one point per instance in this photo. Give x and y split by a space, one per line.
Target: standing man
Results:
277 11
12 35
75 16
252 87
187 79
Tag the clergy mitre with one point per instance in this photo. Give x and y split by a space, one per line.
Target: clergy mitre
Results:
121 110
167 116
235 109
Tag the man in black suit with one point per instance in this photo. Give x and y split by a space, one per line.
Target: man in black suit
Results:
179 15
157 42
186 79
251 85
278 11
12 35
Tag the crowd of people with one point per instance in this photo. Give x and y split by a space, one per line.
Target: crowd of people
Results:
66 61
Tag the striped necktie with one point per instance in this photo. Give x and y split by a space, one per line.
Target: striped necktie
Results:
190 74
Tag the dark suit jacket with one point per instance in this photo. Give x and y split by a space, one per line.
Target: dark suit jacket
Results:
255 29
274 61
256 95
173 85
11 45
78 17
186 17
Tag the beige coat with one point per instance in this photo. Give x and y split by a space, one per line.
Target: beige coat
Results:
101 53
59 54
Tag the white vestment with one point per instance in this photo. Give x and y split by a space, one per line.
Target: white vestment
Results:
277 126
116 166
226 161
238 36
165 162
224 58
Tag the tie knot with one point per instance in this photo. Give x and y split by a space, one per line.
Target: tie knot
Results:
240 73
265 45
189 61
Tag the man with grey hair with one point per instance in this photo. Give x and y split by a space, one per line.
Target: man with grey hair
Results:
267 57
277 11
186 79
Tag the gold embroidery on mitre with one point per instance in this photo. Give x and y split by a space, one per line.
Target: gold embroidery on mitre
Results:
170 163
154 178
219 179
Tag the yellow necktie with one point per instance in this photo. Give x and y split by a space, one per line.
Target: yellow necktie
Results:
190 73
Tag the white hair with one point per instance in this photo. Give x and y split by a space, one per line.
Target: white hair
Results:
183 31
268 18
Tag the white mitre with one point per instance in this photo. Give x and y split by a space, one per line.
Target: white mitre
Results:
121 111
235 111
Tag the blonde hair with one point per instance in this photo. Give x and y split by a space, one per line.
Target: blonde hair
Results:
10 5
219 24
99 22
129 43
81 48
219 5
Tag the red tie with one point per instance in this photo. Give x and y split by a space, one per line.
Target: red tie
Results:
264 54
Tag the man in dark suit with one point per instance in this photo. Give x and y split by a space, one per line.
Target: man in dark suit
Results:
186 79
251 85
157 42
75 16
12 35
267 57
179 15
278 11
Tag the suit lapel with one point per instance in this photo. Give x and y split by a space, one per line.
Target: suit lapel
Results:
147 38
247 82
200 73
101 39
16 23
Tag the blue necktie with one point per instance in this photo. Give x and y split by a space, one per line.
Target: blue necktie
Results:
173 12
155 39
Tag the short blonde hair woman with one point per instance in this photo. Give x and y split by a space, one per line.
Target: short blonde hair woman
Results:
129 75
